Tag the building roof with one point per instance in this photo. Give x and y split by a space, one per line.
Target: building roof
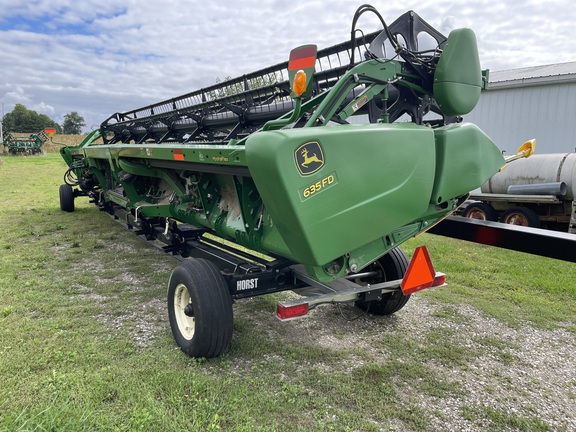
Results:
534 75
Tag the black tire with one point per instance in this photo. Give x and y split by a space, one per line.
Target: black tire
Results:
66 198
391 266
520 216
200 309
481 211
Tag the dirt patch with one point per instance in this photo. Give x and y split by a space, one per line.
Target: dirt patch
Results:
144 322
128 309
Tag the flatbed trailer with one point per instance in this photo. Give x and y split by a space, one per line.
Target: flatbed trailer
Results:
534 241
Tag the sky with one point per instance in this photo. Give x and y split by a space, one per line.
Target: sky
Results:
98 57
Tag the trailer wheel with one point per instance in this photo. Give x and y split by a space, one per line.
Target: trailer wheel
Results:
200 308
520 216
66 198
481 211
391 266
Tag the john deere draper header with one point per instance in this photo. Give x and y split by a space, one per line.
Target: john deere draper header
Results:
274 162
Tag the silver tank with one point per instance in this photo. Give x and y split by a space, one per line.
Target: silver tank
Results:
537 169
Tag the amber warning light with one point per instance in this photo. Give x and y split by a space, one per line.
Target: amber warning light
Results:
299 85
301 69
50 131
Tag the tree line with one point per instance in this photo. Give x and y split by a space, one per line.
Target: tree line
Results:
21 119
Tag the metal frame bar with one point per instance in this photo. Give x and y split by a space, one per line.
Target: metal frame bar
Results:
247 275
535 241
340 291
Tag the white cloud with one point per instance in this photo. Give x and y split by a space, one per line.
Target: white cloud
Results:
15 95
447 25
99 57
44 108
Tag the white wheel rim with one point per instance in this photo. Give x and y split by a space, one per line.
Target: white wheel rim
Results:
517 219
186 324
477 214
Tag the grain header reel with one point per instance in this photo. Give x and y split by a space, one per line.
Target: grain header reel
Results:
302 176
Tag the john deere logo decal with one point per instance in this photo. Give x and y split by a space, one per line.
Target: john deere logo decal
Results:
309 157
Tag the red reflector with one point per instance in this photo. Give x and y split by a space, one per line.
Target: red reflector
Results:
302 57
302 63
440 279
420 274
284 312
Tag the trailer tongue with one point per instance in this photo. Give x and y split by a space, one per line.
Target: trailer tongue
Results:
265 181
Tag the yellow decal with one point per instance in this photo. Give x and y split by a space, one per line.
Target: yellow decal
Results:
360 103
219 158
322 184
309 157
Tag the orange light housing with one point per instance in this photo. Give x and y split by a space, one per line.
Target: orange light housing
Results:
299 84
50 131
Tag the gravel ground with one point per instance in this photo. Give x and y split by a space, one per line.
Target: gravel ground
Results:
536 379
524 373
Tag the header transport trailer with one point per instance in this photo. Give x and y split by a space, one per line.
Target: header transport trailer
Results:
260 184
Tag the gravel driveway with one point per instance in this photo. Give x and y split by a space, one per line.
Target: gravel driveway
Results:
520 378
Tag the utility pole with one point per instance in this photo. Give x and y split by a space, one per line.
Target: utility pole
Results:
2 126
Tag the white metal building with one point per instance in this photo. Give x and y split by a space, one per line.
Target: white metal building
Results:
534 102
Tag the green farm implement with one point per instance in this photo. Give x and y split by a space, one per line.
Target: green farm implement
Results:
303 176
24 145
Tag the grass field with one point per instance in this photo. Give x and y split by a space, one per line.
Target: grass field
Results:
85 342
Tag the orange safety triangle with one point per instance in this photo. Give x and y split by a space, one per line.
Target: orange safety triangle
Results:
420 274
